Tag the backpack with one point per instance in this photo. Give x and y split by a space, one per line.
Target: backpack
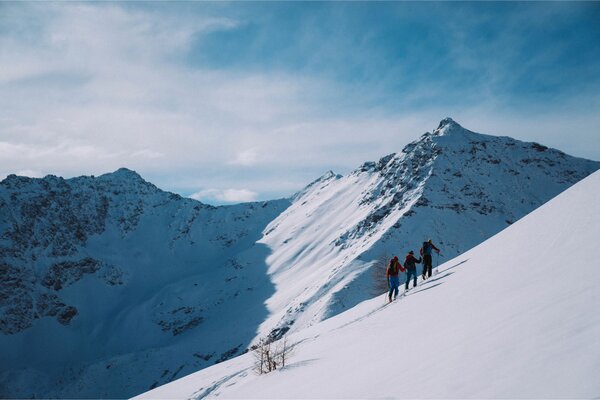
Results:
426 248
393 266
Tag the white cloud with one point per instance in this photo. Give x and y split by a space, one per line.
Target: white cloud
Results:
147 153
225 196
246 158
26 172
98 86
30 173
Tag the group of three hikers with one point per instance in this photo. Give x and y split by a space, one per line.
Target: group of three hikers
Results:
410 267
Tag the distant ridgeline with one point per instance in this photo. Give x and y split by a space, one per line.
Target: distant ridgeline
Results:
111 286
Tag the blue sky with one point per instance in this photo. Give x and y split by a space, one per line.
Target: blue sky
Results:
242 101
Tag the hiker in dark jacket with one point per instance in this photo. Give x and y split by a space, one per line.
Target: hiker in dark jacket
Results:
425 251
392 277
410 263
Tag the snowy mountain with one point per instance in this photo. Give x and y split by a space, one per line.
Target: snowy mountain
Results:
112 286
454 186
515 317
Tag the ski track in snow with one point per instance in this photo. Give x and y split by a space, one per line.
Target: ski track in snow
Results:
421 286
203 393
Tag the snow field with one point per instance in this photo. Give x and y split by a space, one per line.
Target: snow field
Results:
515 317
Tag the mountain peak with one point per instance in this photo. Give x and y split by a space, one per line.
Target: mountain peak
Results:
327 175
446 126
324 179
127 178
124 174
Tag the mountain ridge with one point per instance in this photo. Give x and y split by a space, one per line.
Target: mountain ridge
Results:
133 260
443 181
475 330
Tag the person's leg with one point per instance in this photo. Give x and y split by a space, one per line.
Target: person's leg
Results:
395 283
430 264
426 265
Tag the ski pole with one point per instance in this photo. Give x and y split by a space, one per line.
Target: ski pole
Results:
385 299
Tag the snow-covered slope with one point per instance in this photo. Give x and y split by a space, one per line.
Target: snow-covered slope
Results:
515 317
112 286
454 186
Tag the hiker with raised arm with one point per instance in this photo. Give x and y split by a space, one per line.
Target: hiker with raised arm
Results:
425 251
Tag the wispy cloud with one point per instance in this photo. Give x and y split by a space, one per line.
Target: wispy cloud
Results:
225 195
246 157
147 153
266 98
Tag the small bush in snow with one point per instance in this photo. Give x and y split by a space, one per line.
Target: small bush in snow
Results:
378 269
268 355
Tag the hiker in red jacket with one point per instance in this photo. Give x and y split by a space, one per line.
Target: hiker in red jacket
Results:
392 277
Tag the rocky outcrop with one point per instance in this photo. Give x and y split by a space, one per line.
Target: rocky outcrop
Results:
21 302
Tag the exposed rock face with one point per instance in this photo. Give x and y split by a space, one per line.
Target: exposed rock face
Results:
20 307
464 172
16 303
46 224
68 272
